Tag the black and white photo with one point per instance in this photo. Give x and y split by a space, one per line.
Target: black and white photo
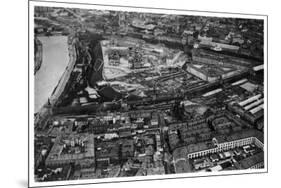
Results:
126 93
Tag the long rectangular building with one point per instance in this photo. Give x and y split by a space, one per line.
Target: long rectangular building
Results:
256 103
251 99
221 143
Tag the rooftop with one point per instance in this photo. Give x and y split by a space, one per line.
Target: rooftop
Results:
74 152
182 152
252 160
240 135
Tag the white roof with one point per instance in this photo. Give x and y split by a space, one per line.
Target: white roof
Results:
259 67
216 168
239 82
255 110
212 92
243 103
253 104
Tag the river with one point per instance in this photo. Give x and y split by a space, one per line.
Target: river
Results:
54 62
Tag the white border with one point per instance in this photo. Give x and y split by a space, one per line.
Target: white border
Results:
32 183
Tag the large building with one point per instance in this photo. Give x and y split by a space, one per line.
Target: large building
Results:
253 162
212 71
219 46
251 108
213 57
222 143
72 148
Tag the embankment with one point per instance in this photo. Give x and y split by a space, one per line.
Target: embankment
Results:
38 52
44 113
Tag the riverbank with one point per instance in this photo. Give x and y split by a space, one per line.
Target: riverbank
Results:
45 111
59 89
55 58
38 52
